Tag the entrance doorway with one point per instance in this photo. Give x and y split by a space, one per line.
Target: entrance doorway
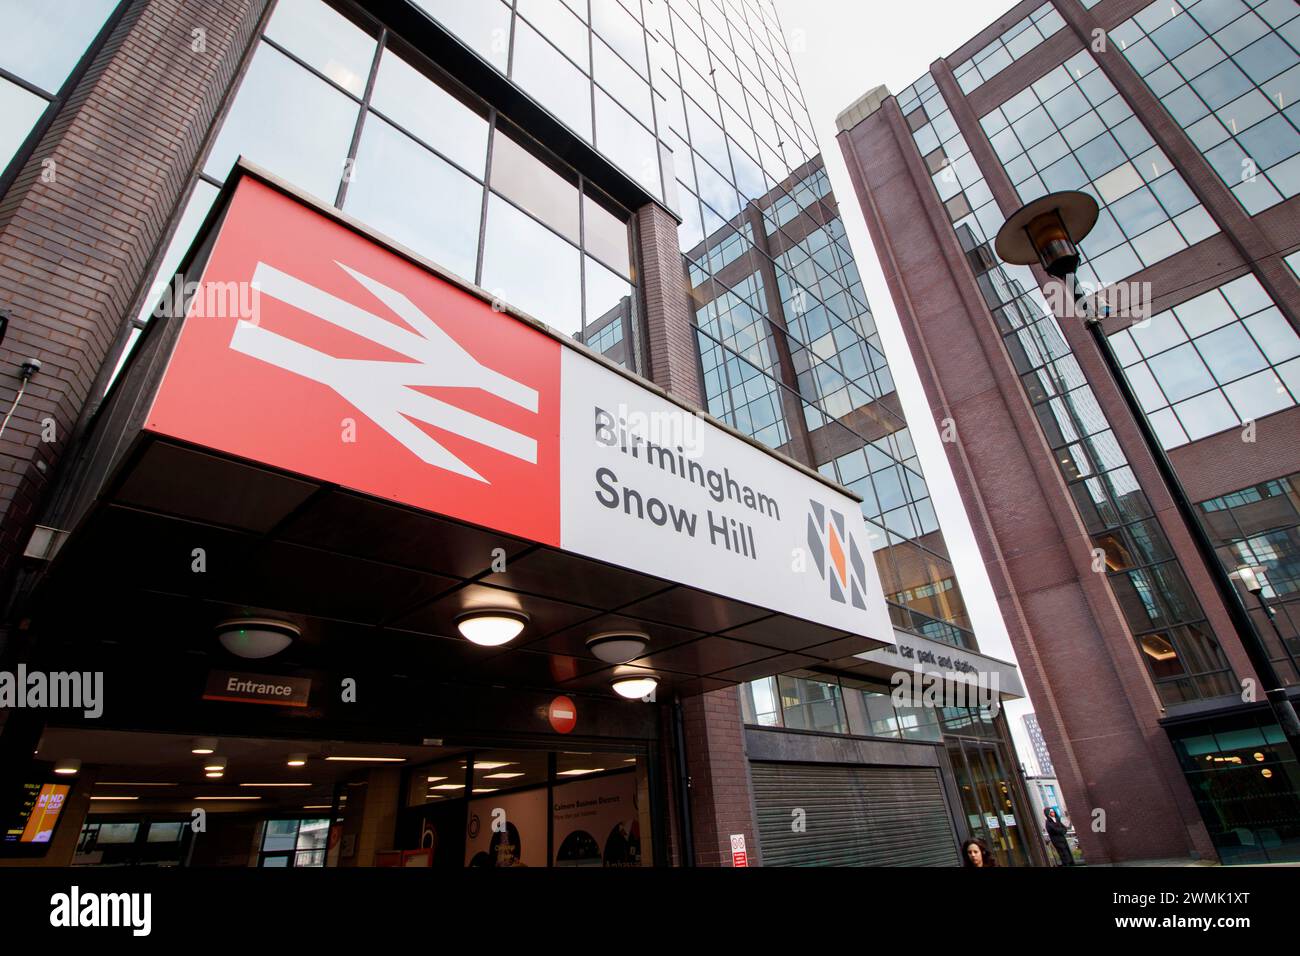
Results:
170 800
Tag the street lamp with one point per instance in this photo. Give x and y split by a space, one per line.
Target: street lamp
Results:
1252 580
1048 231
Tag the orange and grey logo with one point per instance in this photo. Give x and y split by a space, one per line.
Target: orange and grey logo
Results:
836 554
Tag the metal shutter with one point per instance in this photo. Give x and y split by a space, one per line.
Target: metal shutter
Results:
855 816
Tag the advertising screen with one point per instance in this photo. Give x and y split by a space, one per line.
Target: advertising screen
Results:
42 803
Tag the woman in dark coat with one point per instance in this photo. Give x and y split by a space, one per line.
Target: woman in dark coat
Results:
1056 831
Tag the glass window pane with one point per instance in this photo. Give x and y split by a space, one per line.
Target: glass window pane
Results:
629 144
1230 353
20 110
165 832
325 39
1205 415
530 267
292 123
118 832
520 174
605 235
610 306
1258 396
414 96
482 25
622 83
406 192
280 835
621 31
552 80
557 23
1274 334
1181 373
42 40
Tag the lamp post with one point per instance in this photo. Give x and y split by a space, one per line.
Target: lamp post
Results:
1048 231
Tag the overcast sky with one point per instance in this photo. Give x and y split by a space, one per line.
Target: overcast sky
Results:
842 49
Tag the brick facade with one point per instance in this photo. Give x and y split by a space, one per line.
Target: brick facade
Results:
87 214
1097 708
1068 633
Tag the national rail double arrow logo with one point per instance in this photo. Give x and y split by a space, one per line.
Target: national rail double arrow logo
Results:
835 552
386 392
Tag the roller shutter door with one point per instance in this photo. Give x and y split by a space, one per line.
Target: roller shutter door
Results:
855 816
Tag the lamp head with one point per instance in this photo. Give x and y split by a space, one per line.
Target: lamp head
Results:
1048 231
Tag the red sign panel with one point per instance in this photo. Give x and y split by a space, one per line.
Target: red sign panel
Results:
311 348
563 715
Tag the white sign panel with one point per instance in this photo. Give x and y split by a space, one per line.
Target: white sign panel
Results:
647 485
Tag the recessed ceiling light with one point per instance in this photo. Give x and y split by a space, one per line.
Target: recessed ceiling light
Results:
618 647
227 798
67 767
368 759
486 789
204 745
275 785
503 776
579 772
493 764
297 760
215 774
449 786
215 764
123 783
491 627
318 806
436 779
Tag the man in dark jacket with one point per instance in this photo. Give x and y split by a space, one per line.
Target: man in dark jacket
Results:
1056 831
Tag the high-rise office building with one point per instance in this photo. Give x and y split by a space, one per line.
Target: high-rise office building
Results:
1180 120
303 433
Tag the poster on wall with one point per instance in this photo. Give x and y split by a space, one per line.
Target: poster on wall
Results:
507 831
597 822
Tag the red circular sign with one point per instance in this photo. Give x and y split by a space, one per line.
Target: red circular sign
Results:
563 714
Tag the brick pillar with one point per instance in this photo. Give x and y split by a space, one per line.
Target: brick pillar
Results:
672 356
722 801
76 244
1079 663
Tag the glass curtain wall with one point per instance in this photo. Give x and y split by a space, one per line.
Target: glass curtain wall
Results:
1259 527
41 46
788 348
1182 656
341 107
